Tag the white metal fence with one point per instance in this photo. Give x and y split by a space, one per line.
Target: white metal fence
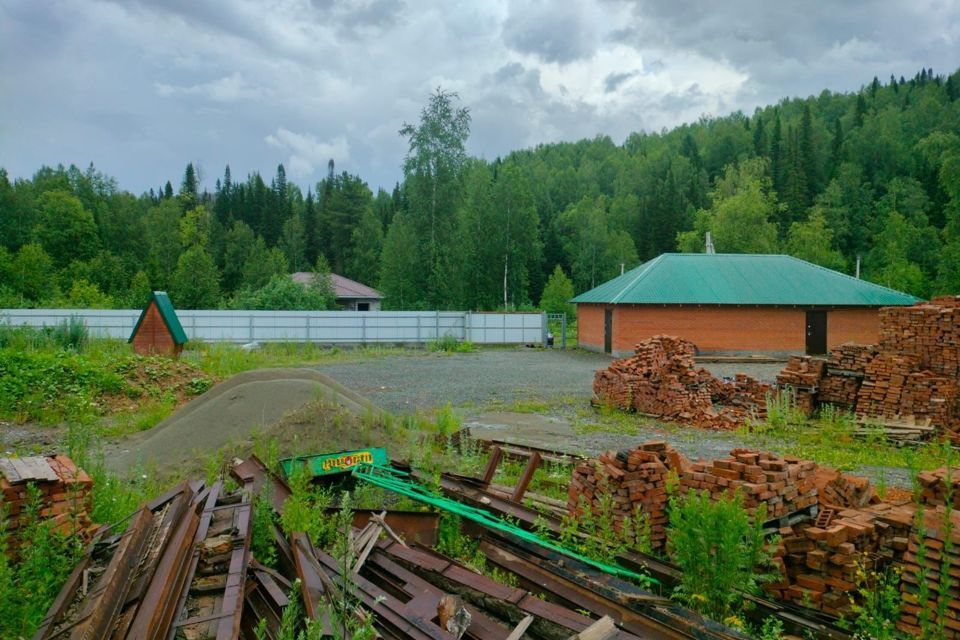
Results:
334 327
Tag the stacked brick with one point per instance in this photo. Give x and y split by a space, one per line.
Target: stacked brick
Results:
895 387
661 380
785 484
940 486
846 368
803 375
927 567
819 561
930 331
840 490
64 495
908 382
634 479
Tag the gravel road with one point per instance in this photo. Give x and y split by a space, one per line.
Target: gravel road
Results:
423 380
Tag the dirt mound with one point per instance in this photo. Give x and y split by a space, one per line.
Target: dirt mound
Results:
231 412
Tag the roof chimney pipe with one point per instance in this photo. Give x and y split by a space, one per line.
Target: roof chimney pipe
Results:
710 243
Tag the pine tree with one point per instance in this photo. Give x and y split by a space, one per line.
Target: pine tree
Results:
836 147
189 188
759 137
310 231
808 156
167 191
777 164
859 111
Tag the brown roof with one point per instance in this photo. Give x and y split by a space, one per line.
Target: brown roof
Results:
342 287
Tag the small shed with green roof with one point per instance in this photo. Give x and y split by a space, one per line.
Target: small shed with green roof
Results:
733 304
158 331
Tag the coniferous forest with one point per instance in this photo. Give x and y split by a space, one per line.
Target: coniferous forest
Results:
873 174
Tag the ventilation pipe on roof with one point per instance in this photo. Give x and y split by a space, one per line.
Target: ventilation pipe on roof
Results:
858 267
710 243
622 265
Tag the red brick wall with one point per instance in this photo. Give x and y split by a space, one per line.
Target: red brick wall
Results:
590 325
723 329
153 335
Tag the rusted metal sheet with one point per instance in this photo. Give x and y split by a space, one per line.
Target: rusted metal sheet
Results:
214 598
156 613
254 474
384 570
410 619
550 620
98 607
579 586
414 526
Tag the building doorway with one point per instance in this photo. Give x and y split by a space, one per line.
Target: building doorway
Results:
816 333
608 330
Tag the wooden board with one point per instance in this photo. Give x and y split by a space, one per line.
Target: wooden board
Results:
30 468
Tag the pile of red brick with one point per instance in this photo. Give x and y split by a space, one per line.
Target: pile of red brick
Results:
846 368
936 484
784 484
661 380
820 560
937 556
803 374
64 498
635 480
840 490
930 331
908 383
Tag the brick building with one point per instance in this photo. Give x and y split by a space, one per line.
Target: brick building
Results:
733 304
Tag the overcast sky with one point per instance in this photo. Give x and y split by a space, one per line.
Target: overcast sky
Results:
140 88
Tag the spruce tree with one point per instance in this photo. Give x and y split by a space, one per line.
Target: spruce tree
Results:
759 137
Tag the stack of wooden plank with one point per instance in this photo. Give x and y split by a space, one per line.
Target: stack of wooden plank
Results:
63 492
634 479
846 367
937 484
784 484
927 567
820 560
661 380
803 375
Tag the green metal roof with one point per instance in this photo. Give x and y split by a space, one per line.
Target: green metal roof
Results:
702 278
165 307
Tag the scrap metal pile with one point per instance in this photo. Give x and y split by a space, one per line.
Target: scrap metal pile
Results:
907 384
183 567
662 380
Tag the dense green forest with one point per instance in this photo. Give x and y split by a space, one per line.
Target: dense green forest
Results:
873 175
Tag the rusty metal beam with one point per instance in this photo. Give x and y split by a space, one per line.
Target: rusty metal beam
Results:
492 463
527 477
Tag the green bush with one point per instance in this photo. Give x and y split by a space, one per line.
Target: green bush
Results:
36 383
720 551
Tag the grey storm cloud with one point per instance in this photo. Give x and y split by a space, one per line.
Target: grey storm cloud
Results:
141 87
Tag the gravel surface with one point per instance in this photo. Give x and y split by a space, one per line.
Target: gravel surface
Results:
423 380
482 386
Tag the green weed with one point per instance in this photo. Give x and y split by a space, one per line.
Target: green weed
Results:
720 550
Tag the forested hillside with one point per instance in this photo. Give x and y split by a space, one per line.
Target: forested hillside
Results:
873 174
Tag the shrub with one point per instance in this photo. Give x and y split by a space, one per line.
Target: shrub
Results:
720 551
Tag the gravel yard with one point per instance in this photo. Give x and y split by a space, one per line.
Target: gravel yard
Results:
485 388
423 380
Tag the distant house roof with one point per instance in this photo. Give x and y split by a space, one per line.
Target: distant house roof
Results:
167 313
344 288
701 278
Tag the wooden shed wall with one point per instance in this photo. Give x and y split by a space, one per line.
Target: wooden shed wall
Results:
153 335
